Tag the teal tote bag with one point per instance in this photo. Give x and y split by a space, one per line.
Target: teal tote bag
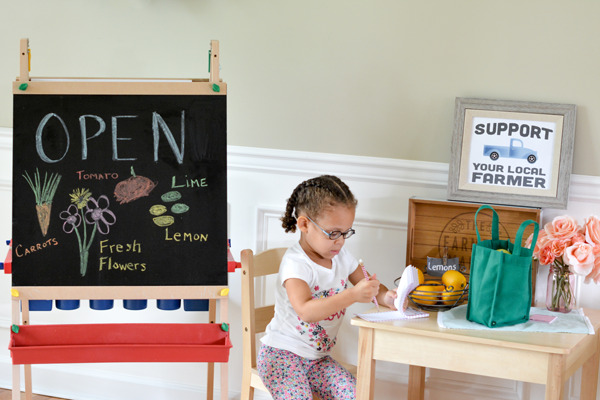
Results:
500 281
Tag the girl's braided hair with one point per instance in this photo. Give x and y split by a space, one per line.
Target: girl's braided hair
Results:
313 195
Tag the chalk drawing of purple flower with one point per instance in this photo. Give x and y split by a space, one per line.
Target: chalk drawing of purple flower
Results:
71 217
98 214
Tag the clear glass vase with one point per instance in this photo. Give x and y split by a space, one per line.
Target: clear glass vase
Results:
560 291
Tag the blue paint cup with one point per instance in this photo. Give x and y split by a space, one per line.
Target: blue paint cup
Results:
195 305
101 304
135 304
168 304
67 304
40 305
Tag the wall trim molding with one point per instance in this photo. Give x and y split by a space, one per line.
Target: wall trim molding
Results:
585 188
358 168
5 139
424 174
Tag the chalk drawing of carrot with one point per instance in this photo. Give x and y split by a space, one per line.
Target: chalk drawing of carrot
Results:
44 193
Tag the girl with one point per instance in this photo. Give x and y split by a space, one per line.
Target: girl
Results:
312 295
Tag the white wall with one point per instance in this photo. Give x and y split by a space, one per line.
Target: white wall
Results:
372 78
259 182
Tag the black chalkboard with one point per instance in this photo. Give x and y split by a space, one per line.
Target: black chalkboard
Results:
137 186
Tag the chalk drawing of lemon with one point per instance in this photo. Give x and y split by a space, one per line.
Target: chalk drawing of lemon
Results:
158 209
163 220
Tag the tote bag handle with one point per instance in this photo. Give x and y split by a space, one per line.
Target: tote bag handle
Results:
518 249
495 235
523 251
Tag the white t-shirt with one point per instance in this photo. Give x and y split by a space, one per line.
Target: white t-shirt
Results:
286 330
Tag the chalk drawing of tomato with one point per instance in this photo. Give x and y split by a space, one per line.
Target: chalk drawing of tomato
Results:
133 188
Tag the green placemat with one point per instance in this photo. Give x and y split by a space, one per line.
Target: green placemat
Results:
573 322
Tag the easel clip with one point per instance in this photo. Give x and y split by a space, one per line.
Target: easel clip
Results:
213 62
25 61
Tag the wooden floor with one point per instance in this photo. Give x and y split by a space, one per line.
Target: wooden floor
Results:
6 394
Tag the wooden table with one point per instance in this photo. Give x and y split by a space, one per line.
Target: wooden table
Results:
546 358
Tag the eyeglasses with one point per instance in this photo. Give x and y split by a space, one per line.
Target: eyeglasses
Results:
333 235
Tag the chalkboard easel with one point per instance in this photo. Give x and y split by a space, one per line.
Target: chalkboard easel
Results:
119 192
121 342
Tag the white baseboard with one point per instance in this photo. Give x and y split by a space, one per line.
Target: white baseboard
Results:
72 382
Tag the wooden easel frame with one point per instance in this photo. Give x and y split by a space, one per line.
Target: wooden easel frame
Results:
25 85
21 316
108 86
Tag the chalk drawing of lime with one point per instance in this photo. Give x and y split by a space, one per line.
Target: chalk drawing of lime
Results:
171 196
158 209
163 220
179 208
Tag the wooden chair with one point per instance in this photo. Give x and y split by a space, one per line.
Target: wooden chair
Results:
255 319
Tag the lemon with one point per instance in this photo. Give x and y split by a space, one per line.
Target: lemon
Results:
427 294
449 297
421 276
454 280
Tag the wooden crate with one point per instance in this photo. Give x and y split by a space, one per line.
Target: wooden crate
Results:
434 225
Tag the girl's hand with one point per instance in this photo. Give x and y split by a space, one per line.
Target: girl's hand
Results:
366 289
389 298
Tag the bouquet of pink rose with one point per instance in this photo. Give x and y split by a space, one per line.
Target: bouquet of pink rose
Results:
569 248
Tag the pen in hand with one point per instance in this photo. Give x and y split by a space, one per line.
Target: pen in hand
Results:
364 270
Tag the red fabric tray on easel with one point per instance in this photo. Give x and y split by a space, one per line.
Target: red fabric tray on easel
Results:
88 343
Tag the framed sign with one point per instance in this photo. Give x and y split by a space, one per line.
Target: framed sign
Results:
512 152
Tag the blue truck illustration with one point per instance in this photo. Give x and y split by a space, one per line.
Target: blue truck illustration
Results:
515 150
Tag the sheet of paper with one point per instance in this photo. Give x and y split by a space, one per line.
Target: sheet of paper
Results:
409 313
408 281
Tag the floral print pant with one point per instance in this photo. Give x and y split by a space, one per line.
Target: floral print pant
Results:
289 376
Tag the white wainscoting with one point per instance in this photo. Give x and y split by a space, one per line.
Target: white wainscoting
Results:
259 183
